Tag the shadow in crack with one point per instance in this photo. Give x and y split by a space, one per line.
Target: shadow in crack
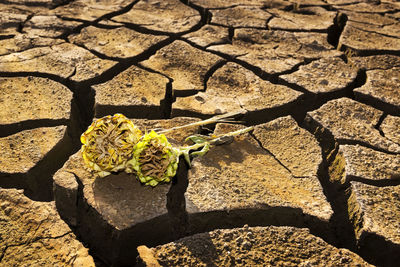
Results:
199 222
137 112
15 180
377 103
379 251
9 129
39 180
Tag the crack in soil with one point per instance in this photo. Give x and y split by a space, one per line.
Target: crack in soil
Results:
94 22
10 129
83 114
379 123
272 154
335 31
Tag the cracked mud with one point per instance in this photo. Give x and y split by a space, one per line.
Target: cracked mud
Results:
317 182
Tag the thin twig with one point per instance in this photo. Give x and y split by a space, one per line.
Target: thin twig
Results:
234 133
214 119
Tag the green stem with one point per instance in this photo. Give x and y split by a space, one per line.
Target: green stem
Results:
185 151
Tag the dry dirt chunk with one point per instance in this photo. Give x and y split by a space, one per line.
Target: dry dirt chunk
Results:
371 7
276 51
120 42
294 147
219 4
395 15
99 194
116 213
391 128
22 9
234 88
358 163
375 62
323 76
250 246
10 19
391 30
186 65
352 122
170 16
240 183
22 151
64 60
374 212
33 98
33 234
303 19
21 42
30 157
241 16
208 35
373 22
382 86
8 32
89 10
10 45
362 40
44 3
10 22
49 26
134 92
369 18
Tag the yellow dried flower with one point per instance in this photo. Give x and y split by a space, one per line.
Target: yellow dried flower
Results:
108 144
114 143
154 159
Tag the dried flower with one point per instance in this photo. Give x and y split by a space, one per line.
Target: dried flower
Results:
154 159
114 143
108 144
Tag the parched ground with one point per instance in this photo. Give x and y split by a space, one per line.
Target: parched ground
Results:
317 182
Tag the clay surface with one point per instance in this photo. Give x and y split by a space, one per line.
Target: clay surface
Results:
355 162
316 80
33 98
352 122
250 246
136 89
34 234
252 93
120 42
177 62
242 176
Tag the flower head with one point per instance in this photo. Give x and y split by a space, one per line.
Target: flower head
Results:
154 159
108 144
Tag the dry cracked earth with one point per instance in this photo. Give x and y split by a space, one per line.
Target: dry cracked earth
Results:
317 182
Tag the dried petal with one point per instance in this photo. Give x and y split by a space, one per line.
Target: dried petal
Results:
108 144
154 159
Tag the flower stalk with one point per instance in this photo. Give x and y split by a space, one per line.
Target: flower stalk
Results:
114 143
219 118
